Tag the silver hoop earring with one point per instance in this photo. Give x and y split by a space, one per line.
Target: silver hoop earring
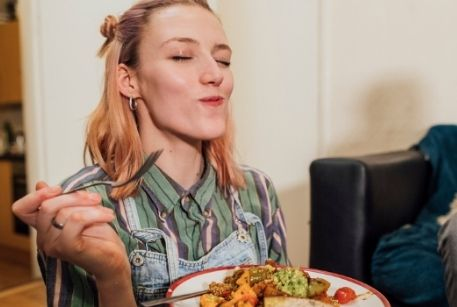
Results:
133 105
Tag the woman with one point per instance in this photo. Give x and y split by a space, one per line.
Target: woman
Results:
167 87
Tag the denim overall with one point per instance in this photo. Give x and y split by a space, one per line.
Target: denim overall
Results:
153 272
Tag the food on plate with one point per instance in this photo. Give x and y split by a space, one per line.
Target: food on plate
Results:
345 295
272 286
287 301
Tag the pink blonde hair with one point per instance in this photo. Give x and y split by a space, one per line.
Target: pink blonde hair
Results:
113 140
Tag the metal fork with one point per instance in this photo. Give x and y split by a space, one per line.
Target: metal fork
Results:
172 299
150 160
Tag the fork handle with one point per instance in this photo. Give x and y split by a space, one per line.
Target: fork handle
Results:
173 299
85 187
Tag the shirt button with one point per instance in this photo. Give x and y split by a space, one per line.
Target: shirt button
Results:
185 200
243 236
207 212
138 260
163 215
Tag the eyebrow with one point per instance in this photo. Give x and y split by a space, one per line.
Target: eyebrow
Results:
192 41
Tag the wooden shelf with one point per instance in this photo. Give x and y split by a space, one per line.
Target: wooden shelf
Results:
12 157
8 236
10 63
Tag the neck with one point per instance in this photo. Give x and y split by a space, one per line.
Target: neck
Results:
182 163
181 159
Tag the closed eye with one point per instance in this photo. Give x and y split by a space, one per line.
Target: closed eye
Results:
224 63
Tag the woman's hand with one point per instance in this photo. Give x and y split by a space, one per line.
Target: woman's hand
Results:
85 238
26 208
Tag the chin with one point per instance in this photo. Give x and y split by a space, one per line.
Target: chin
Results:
212 133
210 137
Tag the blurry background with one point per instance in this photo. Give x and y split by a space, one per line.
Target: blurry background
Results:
313 78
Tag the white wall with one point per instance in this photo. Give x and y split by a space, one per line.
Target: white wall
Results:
327 77
62 80
312 78
390 72
275 99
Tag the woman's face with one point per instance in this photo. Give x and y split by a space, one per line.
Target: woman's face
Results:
184 75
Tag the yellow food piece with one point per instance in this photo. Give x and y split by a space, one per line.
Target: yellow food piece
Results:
244 278
209 300
244 296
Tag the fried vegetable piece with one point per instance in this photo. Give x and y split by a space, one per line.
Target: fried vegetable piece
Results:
317 286
231 280
272 290
258 274
244 278
210 300
221 289
244 296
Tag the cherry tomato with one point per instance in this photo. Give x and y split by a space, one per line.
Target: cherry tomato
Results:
344 295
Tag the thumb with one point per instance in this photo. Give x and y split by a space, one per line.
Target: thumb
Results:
40 185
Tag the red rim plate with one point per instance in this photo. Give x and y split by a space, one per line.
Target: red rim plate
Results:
177 283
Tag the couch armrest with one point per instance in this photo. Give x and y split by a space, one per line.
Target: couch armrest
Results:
354 201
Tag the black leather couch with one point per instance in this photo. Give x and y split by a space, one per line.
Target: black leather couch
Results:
355 200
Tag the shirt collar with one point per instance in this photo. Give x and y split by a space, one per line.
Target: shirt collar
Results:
169 192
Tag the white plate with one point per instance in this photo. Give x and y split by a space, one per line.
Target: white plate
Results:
368 296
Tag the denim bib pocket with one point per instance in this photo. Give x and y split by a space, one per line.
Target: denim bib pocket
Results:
153 272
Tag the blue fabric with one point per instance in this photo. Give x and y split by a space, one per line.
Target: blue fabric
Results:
406 264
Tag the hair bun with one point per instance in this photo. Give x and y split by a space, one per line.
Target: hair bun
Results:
108 28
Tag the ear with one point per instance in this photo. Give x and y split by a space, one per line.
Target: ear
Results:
127 81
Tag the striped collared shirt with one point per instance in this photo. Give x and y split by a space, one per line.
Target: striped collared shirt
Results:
197 219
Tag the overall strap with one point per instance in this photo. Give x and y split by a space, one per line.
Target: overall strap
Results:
132 214
147 235
251 219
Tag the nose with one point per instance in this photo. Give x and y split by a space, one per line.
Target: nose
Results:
212 74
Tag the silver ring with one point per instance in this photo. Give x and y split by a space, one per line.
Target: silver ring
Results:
56 224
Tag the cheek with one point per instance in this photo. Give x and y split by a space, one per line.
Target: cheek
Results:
228 90
228 84
172 84
229 81
164 89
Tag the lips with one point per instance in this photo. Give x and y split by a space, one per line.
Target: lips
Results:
213 101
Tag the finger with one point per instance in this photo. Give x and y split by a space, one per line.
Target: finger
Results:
71 240
50 207
48 235
96 230
63 215
26 208
80 198
32 201
40 185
